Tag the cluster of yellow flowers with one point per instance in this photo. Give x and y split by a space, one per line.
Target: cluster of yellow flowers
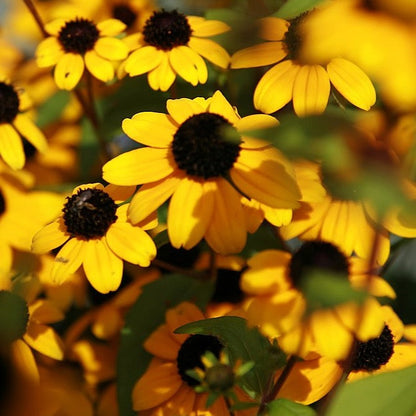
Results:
286 226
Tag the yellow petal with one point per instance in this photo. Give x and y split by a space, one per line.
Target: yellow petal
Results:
226 232
112 49
107 323
190 211
119 194
44 339
162 344
275 88
210 50
143 60
139 166
220 105
23 359
163 76
394 323
55 26
110 27
99 67
254 122
48 52
188 64
102 266
259 55
44 311
68 71
276 216
206 28
183 108
410 332
11 147
131 243
151 129
49 237
352 83
31 132
311 90
273 28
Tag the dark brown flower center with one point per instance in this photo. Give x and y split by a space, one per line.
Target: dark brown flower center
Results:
9 103
293 36
206 145
2 203
78 36
89 213
166 30
124 13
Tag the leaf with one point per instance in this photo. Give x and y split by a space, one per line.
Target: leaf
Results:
262 239
142 319
89 150
284 407
246 344
293 8
390 393
52 108
14 316
161 239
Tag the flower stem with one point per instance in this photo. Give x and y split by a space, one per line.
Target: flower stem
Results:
36 16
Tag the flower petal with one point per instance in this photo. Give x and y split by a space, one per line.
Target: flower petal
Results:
210 50
31 132
183 108
23 360
205 28
102 266
273 28
68 71
352 83
220 105
162 344
49 237
254 122
98 66
188 64
163 76
11 147
112 49
143 60
111 27
139 166
48 52
259 55
55 26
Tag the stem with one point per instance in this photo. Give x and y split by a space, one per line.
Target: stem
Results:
37 17
271 395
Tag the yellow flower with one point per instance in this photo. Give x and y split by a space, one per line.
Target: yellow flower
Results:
77 43
189 157
14 124
308 85
173 44
94 231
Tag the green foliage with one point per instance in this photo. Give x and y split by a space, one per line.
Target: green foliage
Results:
88 151
293 8
52 108
14 316
388 394
246 344
284 407
143 318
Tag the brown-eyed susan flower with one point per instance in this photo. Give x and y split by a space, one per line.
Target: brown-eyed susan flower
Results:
279 308
93 231
308 85
166 387
196 155
173 44
78 43
15 124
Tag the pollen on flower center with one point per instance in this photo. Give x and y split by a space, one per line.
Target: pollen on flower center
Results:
201 148
371 355
2 203
190 353
89 213
78 35
165 30
124 13
9 103
317 255
293 37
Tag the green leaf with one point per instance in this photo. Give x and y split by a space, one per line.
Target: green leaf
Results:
242 343
293 8
89 151
284 407
52 108
262 239
142 319
161 239
386 394
14 316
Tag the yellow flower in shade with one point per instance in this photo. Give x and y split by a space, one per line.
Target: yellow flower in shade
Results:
308 85
279 308
93 231
79 43
192 154
166 388
15 124
173 44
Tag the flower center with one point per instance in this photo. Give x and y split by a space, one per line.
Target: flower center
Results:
89 213
9 103
78 35
227 287
293 37
317 255
2 203
189 355
219 377
202 145
371 355
166 30
125 14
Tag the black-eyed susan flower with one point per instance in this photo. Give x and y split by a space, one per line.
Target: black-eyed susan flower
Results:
192 154
173 44
308 85
279 307
14 124
93 231
166 387
78 43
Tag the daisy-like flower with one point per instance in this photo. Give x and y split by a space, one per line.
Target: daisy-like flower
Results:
80 42
275 279
14 124
166 387
93 231
191 155
173 44
308 85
